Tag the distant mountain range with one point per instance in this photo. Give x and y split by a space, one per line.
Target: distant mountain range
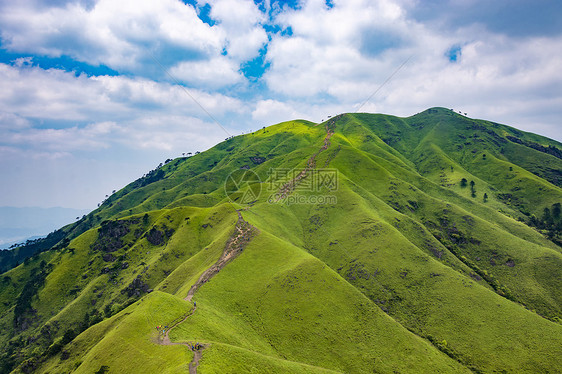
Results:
366 243
20 224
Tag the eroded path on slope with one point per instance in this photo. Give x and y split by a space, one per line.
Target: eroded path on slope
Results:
241 236
243 233
290 186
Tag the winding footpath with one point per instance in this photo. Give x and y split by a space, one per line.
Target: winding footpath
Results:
243 233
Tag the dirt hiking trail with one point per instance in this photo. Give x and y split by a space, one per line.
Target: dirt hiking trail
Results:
243 233
290 186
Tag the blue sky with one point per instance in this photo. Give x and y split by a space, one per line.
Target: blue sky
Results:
96 93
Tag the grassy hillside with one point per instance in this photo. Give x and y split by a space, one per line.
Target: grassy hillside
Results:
379 244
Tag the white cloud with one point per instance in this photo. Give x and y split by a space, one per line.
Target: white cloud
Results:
215 73
23 61
13 121
240 20
76 166
128 36
54 94
170 133
270 112
496 78
324 56
57 140
117 34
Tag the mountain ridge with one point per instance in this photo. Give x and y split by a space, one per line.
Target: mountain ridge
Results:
466 275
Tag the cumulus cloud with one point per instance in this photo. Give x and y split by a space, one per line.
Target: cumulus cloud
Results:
324 56
135 36
55 94
272 111
117 34
180 133
215 73
496 77
241 21
268 112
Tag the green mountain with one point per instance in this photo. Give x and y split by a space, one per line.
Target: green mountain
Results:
367 243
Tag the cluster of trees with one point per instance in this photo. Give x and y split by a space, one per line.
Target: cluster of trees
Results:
452 110
103 201
23 311
151 177
46 344
20 252
27 242
472 184
551 222
148 178
464 183
551 150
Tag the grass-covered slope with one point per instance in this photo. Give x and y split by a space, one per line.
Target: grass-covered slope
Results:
280 301
126 341
435 247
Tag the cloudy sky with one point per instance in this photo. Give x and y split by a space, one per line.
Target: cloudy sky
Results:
96 93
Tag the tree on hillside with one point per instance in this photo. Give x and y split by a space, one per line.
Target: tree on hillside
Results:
463 182
472 189
485 197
